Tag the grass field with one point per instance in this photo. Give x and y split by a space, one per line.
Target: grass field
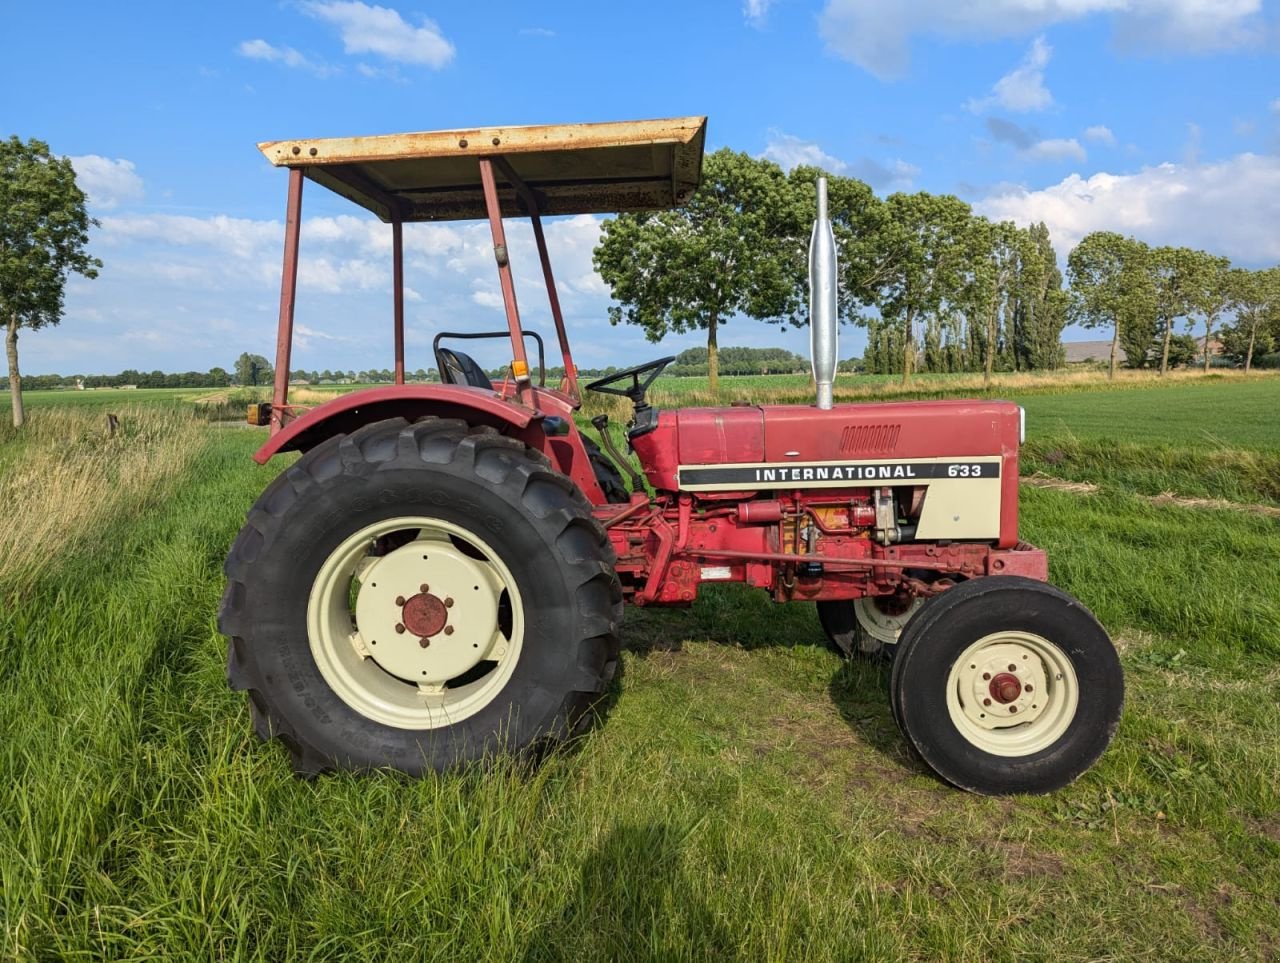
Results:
748 796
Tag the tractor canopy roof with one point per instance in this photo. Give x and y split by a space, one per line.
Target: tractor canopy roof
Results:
642 165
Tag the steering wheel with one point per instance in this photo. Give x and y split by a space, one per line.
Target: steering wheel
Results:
635 391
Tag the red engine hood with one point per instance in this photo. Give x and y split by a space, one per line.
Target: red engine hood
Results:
914 429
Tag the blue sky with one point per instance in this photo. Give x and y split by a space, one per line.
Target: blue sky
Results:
1159 118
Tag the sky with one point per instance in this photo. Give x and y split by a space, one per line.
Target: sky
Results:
1157 118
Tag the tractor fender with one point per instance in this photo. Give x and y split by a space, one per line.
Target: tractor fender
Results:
476 406
348 412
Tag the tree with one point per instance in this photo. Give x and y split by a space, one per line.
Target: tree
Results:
1211 295
1174 271
1182 350
1255 297
997 251
1110 285
726 252
253 369
1040 306
43 232
916 262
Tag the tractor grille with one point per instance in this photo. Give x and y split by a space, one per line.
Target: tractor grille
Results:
869 438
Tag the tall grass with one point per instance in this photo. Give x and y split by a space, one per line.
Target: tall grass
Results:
65 473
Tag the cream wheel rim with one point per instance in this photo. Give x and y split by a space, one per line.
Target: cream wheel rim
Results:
420 635
881 625
1012 693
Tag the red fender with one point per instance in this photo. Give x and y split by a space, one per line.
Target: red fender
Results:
477 406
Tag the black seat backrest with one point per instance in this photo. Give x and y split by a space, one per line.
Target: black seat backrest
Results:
457 368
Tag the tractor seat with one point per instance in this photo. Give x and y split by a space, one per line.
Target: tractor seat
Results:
457 368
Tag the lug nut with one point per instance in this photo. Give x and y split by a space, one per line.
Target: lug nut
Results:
448 603
985 676
424 642
1013 708
986 702
448 630
424 588
399 600
1027 688
400 628
1012 667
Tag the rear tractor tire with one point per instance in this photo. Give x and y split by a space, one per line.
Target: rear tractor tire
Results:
868 627
417 597
1006 685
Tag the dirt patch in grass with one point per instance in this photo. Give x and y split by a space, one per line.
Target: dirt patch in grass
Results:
1022 861
1268 827
1165 498
1206 920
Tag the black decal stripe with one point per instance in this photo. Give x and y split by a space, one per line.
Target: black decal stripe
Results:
855 475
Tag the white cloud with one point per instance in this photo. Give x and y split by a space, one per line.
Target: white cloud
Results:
1030 145
1055 148
1275 106
382 31
1022 89
755 12
1230 207
788 151
536 32
170 278
109 183
261 50
234 236
487 298
876 35
1100 134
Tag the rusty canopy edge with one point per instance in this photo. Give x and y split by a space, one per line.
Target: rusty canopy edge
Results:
573 168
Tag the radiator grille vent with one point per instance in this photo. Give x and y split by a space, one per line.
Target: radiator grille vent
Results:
869 438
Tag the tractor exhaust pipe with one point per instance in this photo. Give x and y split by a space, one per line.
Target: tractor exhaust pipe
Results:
823 335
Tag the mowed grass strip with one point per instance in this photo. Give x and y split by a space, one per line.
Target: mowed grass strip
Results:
1240 475
748 796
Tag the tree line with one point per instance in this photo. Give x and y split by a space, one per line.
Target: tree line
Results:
1141 293
937 286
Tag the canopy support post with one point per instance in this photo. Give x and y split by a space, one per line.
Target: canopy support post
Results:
397 285
288 292
531 204
524 385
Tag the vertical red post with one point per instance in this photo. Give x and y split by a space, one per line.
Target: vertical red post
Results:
523 386
288 290
397 284
570 373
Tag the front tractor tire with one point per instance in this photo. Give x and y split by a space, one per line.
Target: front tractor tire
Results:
418 597
1006 685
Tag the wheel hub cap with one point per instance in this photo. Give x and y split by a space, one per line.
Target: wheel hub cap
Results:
1005 688
408 619
424 615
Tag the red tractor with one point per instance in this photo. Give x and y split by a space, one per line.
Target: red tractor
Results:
441 576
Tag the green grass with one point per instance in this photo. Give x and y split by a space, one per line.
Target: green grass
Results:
748 796
1213 413
107 397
